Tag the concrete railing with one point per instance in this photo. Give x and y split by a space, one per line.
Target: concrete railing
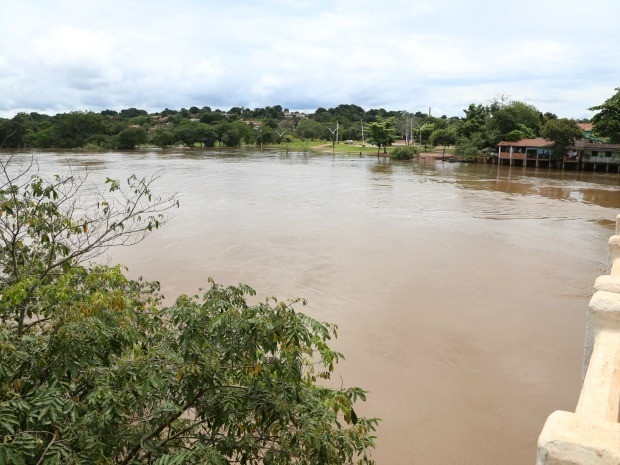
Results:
591 435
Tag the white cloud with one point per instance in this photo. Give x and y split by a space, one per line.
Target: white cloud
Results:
397 54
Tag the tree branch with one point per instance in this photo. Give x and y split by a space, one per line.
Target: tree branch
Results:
135 449
48 446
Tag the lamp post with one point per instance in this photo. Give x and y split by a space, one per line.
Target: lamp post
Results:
334 132
420 127
280 134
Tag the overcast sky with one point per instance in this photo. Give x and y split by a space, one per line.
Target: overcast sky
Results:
562 56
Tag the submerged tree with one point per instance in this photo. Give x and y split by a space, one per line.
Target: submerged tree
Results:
95 370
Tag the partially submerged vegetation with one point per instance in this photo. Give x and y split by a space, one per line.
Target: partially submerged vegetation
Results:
405 153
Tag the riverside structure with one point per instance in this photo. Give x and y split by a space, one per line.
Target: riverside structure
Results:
591 435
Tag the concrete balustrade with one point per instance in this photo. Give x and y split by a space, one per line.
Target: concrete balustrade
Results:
591 435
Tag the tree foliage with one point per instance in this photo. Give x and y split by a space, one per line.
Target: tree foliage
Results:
468 147
95 370
131 137
405 153
513 121
382 133
47 226
475 121
607 121
310 129
562 132
443 137
482 126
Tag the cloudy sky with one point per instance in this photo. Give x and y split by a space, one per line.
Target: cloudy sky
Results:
562 56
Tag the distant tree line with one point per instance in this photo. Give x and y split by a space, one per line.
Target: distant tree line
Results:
482 126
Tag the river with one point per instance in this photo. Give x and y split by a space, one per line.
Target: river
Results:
460 290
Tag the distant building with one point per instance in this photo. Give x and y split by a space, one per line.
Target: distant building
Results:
586 128
585 155
597 156
525 152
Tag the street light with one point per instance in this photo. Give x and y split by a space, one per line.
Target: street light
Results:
420 127
334 131
280 134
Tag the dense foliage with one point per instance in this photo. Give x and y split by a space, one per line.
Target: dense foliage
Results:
382 133
404 153
95 370
563 132
607 120
481 127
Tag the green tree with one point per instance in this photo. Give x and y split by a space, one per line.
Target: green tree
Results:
468 147
163 138
513 121
562 132
130 113
607 121
475 121
382 133
43 138
191 132
246 131
443 137
45 226
228 134
209 136
12 132
94 370
210 117
310 129
131 137
265 135
73 129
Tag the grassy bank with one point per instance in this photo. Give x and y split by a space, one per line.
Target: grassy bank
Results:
322 146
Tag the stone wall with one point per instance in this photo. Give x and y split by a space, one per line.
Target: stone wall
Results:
591 434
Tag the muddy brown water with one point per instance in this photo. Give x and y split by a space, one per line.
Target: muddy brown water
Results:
460 291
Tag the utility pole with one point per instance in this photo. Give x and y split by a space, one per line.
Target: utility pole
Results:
333 131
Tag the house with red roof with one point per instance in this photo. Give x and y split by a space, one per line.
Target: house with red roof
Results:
525 152
586 128
586 153
583 154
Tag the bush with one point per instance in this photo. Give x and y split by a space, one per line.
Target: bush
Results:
405 153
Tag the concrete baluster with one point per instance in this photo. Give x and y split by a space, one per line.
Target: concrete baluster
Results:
591 435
